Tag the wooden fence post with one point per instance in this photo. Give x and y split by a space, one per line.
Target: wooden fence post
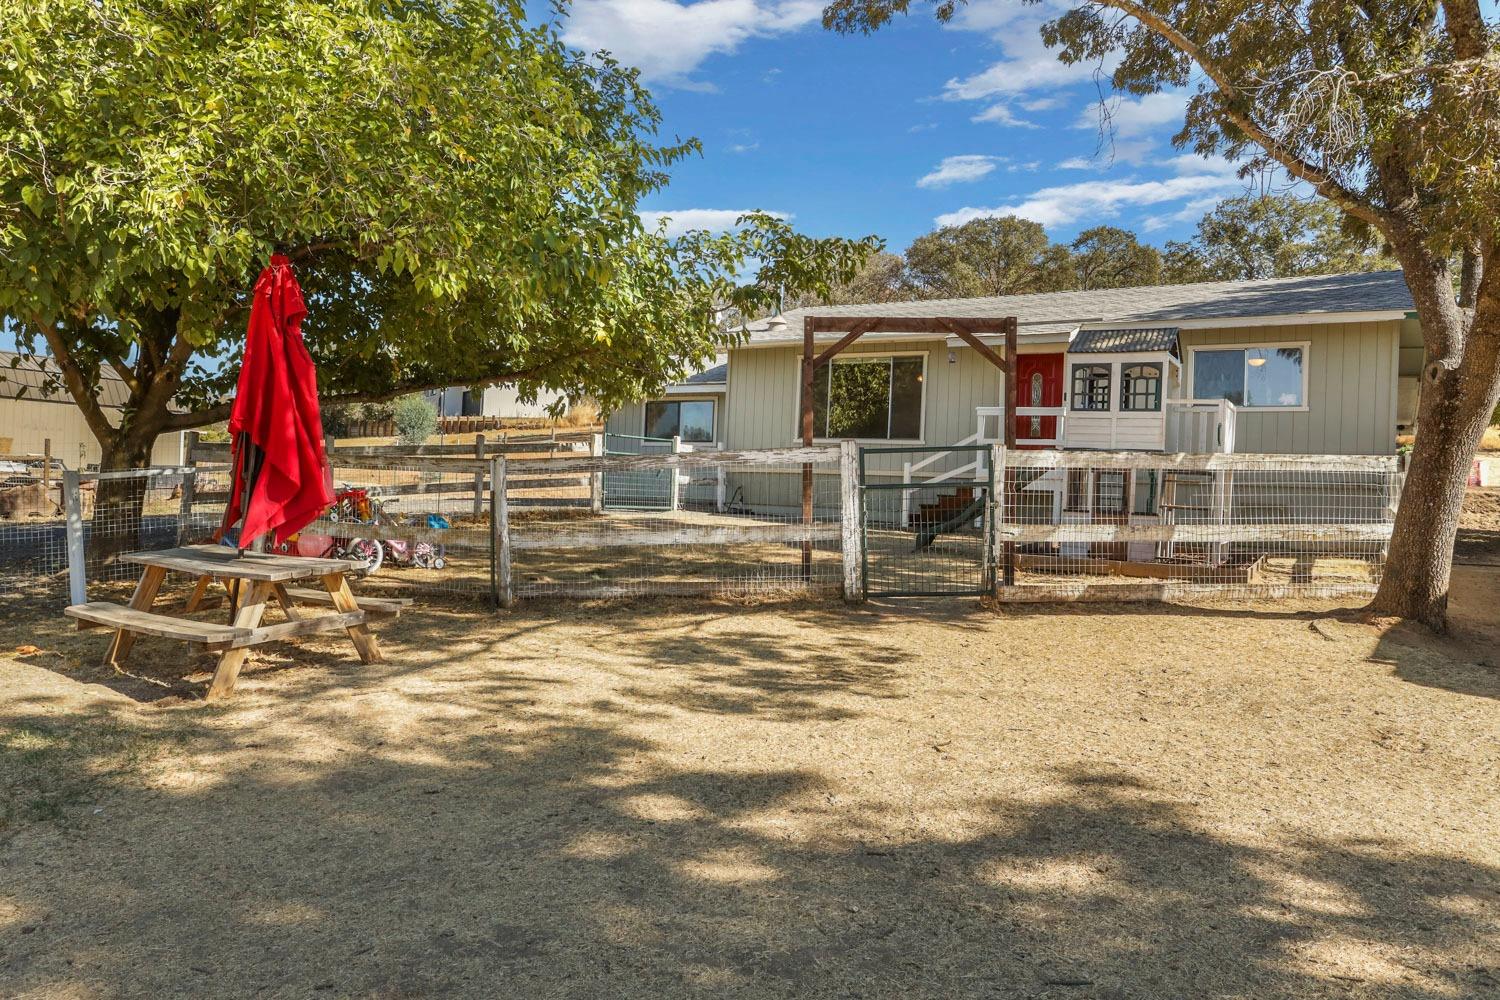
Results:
46 470
73 504
849 520
479 477
505 594
674 485
596 478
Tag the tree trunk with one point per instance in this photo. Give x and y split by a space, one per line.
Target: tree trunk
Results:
115 527
1456 404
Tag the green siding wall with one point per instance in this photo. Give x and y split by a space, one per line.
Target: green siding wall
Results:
1351 389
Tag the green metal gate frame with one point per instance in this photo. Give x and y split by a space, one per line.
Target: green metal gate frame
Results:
987 484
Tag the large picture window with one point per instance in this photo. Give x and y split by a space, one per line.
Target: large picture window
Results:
873 398
1091 387
690 419
1251 376
1140 388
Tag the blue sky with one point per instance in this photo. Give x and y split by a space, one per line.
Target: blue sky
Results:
893 134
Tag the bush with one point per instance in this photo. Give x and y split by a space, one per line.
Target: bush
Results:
416 419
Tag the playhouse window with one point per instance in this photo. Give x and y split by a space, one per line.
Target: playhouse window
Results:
1251 376
873 398
1091 387
1140 388
692 420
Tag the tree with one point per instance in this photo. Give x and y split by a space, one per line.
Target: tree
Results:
1389 110
882 279
456 189
1274 236
416 419
988 256
1107 257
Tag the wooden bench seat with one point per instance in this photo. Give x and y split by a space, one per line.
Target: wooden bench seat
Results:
214 635
376 607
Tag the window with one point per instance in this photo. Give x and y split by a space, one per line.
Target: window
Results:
1091 387
1251 376
690 419
1140 388
875 398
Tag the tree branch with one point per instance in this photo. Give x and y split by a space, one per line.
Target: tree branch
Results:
78 387
1295 165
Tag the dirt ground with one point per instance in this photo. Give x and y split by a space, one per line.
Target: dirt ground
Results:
927 799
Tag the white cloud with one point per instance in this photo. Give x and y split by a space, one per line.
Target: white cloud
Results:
1067 203
1042 104
924 127
667 40
1076 163
1131 129
1029 67
679 221
743 147
959 170
1001 114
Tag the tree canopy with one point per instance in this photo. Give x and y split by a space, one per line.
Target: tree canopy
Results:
987 256
457 190
1109 257
1273 236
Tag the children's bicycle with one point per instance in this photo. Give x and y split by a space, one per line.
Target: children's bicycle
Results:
352 505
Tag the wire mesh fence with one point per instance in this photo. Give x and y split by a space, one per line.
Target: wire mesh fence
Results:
690 522
33 529
1137 525
928 536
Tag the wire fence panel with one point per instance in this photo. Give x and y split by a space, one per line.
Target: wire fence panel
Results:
726 524
1141 525
926 534
33 529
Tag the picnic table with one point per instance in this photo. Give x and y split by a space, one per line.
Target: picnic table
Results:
252 579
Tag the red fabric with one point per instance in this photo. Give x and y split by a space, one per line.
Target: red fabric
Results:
276 405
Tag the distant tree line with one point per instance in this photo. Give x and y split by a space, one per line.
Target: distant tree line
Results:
1258 236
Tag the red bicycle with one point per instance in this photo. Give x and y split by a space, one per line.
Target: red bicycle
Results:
352 505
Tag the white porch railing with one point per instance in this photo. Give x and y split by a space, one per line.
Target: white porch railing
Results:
989 428
1201 426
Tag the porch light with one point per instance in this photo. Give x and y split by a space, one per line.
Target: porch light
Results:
1257 362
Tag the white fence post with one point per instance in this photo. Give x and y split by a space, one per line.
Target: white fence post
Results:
906 496
675 485
73 504
721 488
505 594
596 478
849 520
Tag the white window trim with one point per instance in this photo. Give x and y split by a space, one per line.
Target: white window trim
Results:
1190 373
713 437
865 356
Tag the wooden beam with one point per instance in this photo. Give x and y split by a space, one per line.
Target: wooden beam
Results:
1201 462
613 536
843 342
984 350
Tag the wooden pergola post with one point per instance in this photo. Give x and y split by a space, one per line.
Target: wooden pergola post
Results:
967 329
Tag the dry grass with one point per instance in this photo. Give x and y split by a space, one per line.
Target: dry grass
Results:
1491 440
924 800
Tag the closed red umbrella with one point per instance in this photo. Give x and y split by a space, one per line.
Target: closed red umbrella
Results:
277 433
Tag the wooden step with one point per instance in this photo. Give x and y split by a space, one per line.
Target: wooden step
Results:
211 634
378 607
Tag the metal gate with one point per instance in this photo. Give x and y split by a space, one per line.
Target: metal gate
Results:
925 520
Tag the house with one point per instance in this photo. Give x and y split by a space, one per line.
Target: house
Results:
1310 365
1307 365
31 416
492 401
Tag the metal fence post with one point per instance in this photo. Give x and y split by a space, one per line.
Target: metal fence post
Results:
849 517
674 485
479 476
504 589
596 478
73 504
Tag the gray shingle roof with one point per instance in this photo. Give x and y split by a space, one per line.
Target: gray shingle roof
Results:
1052 315
1127 341
717 375
26 376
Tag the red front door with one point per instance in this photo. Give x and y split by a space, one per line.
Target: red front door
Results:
1039 382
